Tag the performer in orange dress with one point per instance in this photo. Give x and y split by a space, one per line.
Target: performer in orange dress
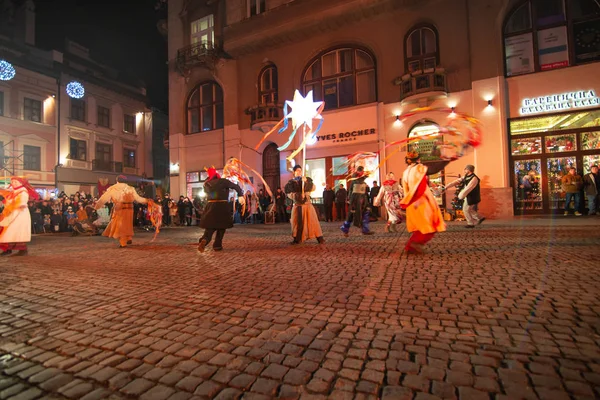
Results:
423 215
122 196
15 220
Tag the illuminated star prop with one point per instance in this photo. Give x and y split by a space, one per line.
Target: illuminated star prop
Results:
304 111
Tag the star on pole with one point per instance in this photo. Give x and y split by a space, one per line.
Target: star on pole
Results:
304 110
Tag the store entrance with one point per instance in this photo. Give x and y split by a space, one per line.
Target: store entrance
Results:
542 150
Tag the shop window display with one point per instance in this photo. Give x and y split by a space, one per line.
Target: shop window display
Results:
590 160
561 143
557 168
528 175
590 141
520 147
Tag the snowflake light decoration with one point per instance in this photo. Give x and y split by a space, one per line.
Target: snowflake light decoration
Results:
75 90
7 71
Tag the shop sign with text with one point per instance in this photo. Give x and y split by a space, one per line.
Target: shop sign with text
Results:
349 136
559 102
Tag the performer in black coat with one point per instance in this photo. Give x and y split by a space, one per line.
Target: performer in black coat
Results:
218 213
359 203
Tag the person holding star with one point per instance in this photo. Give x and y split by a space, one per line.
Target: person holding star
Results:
305 222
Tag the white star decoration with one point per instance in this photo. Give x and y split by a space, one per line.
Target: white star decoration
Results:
304 110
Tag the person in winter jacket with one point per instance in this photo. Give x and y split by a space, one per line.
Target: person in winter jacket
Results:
591 182
471 192
571 184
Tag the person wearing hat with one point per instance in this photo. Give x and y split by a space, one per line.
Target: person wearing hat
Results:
591 181
122 196
471 194
423 216
217 215
304 219
571 184
15 220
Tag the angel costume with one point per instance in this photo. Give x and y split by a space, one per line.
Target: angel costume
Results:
391 194
15 221
304 219
423 215
122 196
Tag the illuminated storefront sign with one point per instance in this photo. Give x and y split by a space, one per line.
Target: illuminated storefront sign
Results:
559 102
345 136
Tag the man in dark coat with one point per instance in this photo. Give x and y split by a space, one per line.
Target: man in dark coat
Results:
328 197
358 212
341 196
217 215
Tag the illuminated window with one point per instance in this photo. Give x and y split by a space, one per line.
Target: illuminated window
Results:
561 32
202 32
205 108
421 49
129 158
342 77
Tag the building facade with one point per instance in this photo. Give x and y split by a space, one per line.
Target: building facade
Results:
233 63
61 138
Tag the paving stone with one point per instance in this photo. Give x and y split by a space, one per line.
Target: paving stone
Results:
397 393
159 392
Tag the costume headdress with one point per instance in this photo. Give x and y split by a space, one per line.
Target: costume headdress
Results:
33 195
212 173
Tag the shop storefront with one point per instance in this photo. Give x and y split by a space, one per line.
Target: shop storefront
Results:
554 132
195 183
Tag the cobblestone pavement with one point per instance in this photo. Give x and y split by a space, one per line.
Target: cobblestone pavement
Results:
504 311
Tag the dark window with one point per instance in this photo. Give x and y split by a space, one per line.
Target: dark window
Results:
1 103
129 123
78 109
267 85
32 158
256 7
129 158
342 77
103 117
77 149
205 108
2 160
421 49
540 35
103 152
32 110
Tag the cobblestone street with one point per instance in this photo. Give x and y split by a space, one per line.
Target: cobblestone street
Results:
509 310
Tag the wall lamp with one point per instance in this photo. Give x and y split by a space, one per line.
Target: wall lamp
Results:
398 118
489 102
453 108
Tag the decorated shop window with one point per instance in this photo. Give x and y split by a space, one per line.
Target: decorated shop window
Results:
590 141
560 143
520 147
557 168
590 160
528 188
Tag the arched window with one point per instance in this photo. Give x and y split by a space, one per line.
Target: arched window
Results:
205 108
267 85
540 35
421 48
342 77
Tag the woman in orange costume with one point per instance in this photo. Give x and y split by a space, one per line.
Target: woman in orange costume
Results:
15 221
122 196
423 215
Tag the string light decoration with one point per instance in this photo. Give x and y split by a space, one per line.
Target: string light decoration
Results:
75 90
7 71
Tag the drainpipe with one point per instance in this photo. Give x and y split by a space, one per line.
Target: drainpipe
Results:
57 134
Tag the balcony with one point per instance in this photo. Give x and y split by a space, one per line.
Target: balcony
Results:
264 117
107 166
429 83
203 55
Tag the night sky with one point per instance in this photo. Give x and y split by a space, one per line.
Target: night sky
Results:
121 34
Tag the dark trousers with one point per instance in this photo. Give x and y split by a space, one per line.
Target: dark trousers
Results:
341 211
328 212
281 213
208 234
375 211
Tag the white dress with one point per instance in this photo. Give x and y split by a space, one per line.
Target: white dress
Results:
16 225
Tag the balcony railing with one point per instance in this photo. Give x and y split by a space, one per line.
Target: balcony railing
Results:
203 54
264 114
107 166
429 80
